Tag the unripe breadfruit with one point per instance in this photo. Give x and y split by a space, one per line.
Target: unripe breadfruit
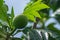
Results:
20 21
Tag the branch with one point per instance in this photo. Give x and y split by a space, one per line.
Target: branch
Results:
35 24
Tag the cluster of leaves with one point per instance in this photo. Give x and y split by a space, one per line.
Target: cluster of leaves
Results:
43 15
6 27
37 12
31 10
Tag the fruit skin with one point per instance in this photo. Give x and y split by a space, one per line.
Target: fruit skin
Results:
20 21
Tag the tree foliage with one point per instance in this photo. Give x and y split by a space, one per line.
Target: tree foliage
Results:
36 11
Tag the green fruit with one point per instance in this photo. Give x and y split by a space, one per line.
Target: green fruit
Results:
20 21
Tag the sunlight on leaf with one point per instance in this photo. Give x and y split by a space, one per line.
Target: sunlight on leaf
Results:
30 17
33 8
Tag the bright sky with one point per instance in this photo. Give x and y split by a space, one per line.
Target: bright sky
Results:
17 4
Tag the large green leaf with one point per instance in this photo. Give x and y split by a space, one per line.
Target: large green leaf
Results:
37 6
32 9
31 3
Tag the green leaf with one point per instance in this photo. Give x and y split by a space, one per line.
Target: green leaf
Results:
43 35
3 13
30 17
39 6
12 13
16 32
15 39
27 29
5 7
31 3
36 14
52 28
0 24
34 35
2 33
57 17
2 38
35 0
50 37
1 3
12 16
55 33
33 8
